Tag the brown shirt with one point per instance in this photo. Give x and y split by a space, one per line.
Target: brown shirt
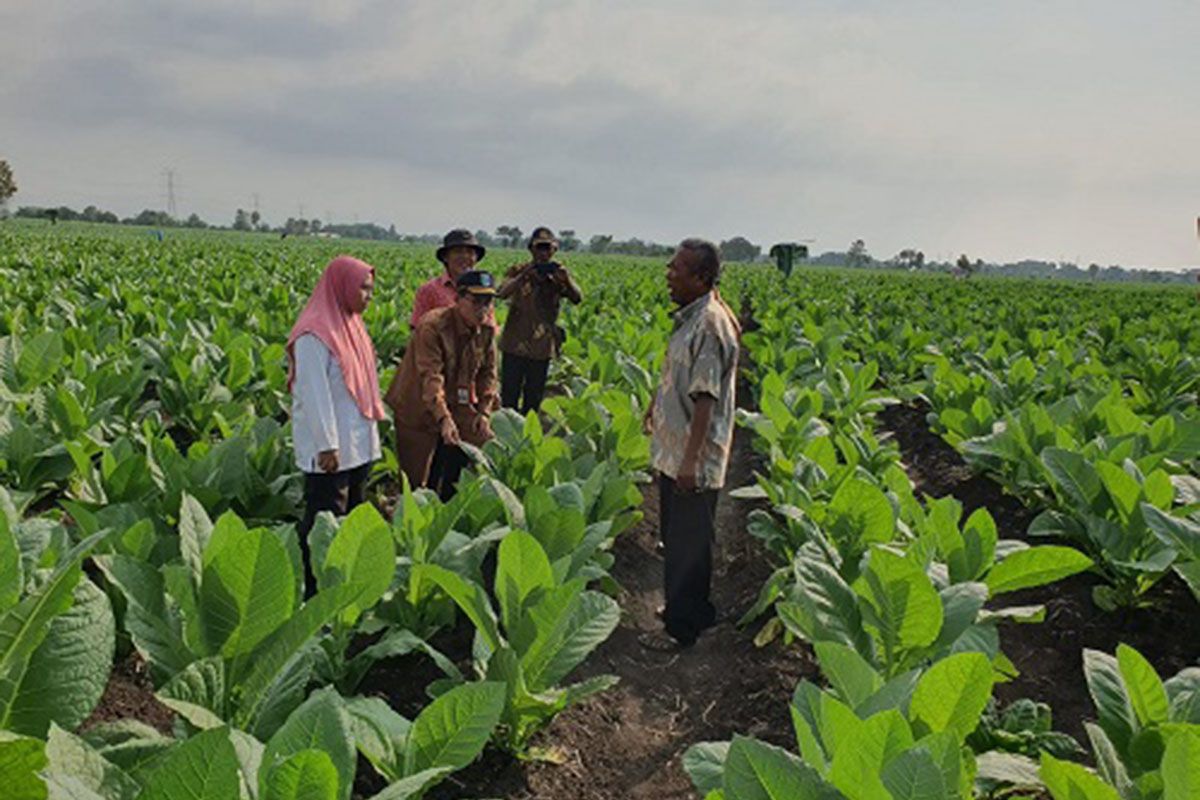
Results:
533 306
448 369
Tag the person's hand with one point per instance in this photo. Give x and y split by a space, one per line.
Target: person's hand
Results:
450 431
648 420
483 428
686 479
327 460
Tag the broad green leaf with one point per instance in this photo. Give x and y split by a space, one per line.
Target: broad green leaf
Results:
1143 686
24 626
247 590
952 694
755 770
1074 474
1035 566
979 538
12 576
1181 766
204 767
198 693
68 671
567 625
857 764
41 357
412 786
306 775
195 531
902 607
270 661
849 673
929 770
705 765
1121 487
71 756
1113 706
860 512
21 759
522 570
469 596
452 730
379 733
361 553
1067 781
154 631
320 723
1178 532
1108 760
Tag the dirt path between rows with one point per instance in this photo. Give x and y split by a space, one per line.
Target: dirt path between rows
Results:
628 742
1049 655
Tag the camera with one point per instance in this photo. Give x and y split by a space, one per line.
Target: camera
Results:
548 268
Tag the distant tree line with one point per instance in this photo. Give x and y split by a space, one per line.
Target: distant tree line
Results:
856 256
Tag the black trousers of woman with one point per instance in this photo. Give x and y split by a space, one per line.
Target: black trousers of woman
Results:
336 492
686 524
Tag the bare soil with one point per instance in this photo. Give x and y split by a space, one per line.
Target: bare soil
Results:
1049 655
130 695
628 742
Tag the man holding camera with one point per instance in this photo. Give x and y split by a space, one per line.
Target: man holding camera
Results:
531 336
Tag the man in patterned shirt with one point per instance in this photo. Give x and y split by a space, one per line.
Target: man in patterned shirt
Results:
690 421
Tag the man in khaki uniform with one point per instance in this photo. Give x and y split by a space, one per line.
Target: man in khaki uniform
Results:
445 389
531 336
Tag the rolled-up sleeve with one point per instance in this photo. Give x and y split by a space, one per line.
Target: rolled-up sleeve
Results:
312 388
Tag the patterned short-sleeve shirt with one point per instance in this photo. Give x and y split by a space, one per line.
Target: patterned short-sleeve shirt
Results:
701 360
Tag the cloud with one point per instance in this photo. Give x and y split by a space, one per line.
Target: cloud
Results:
1005 130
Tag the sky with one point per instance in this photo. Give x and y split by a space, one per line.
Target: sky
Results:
1004 130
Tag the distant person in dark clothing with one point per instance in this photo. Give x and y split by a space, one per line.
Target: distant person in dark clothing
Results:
531 336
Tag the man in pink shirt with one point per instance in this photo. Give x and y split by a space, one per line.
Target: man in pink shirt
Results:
460 252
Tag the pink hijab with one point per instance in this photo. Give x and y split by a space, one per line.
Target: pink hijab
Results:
328 317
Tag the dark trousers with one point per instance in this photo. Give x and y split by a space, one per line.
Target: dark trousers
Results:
448 463
686 524
523 382
338 492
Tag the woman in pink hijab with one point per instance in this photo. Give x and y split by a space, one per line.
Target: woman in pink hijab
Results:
335 396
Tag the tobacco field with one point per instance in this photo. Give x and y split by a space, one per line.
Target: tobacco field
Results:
958 553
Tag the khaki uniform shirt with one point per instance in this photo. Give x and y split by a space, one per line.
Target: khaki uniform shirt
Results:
534 302
448 369
701 360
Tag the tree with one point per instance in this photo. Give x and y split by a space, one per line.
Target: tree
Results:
255 218
909 259
857 256
568 240
509 235
241 220
1093 271
194 221
739 248
8 184
600 243
964 267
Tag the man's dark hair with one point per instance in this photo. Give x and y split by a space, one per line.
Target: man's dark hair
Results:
707 263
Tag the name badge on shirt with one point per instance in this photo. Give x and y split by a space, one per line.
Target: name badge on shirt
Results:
464 396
